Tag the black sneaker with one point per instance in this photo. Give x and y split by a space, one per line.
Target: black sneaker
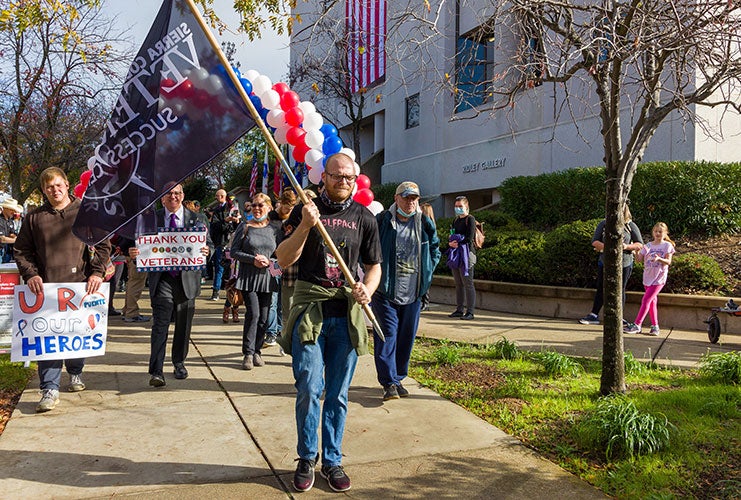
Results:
390 392
455 314
403 393
336 477
467 316
303 478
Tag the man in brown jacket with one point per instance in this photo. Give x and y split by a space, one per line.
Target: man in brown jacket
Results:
46 251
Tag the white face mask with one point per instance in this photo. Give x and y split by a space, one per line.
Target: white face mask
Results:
260 219
404 214
460 210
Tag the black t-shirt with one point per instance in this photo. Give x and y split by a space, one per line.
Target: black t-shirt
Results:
354 232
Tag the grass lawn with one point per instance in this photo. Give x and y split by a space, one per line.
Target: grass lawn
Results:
13 379
676 434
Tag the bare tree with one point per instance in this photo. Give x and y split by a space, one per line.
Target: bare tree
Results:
631 63
57 71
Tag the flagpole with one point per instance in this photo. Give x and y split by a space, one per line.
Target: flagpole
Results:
276 150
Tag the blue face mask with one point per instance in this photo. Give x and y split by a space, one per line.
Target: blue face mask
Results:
260 219
404 214
460 211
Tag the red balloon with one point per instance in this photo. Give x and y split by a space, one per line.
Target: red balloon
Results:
85 178
295 136
166 84
201 99
294 116
299 152
79 190
289 100
363 182
364 197
185 89
281 88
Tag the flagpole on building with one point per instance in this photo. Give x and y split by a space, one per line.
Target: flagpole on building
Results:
278 154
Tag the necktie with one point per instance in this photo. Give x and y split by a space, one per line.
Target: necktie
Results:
173 224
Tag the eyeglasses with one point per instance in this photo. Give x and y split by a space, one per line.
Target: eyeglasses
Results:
174 193
350 179
258 205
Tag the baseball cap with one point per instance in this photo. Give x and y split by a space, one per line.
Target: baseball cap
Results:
407 188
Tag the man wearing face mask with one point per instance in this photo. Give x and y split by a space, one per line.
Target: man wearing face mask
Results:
411 250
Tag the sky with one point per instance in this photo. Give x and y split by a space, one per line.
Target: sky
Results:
268 55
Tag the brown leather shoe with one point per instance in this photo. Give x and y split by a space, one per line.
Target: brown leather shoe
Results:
225 318
235 314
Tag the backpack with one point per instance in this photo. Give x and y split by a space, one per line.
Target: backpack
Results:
479 237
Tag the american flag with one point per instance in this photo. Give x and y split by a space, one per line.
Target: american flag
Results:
265 171
253 177
277 178
366 33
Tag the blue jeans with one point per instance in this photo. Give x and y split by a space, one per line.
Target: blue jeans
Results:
399 326
50 372
328 365
218 268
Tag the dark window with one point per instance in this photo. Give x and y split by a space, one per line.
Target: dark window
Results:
474 61
412 119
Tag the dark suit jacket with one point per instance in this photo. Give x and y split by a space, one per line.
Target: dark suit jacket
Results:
191 279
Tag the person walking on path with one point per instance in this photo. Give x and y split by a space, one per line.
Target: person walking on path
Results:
411 250
326 321
173 293
46 251
656 257
632 242
253 245
464 226
223 223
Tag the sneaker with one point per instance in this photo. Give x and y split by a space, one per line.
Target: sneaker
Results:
632 328
336 477
75 383
590 319
654 331
248 362
303 478
49 400
215 296
157 381
139 318
467 316
390 392
455 314
403 393
271 339
257 360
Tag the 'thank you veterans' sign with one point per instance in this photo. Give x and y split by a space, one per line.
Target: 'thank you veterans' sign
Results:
171 249
64 322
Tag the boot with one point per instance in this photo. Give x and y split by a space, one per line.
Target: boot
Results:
225 318
235 314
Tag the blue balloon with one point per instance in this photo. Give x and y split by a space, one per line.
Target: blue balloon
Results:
329 130
256 102
237 72
246 85
264 113
219 70
331 145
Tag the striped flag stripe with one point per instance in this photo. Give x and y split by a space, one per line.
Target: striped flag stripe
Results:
366 31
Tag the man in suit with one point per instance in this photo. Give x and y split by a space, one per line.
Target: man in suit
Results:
173 291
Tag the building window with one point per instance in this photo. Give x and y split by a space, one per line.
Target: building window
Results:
474 60
413 111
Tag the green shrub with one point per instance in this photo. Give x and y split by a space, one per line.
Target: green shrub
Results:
568 256
722 366
632 365
694 273
384 193
505 349
559 365
447 354
616 427
513 257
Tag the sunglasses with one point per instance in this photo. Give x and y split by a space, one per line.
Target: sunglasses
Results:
258 205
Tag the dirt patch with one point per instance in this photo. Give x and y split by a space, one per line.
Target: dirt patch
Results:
8 400
479 375
726 250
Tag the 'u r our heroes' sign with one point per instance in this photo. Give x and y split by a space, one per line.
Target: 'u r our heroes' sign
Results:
63 323
171 249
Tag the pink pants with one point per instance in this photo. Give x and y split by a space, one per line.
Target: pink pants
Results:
649 305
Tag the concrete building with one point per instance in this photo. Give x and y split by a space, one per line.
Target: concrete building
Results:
415 128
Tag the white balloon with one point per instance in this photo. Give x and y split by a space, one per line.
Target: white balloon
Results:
357 168
354 188
260 85
91 163
348 152
270 99
307 107
251 74
375 207
314 139
276 118
280 135
315 175
313 121
198 76
213 85
314 158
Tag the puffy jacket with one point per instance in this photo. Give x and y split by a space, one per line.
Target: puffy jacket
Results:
429 251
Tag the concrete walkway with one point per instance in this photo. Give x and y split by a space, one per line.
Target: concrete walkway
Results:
227 433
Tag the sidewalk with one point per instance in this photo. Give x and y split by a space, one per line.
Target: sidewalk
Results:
228 433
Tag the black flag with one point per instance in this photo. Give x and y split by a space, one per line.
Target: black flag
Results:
177 110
